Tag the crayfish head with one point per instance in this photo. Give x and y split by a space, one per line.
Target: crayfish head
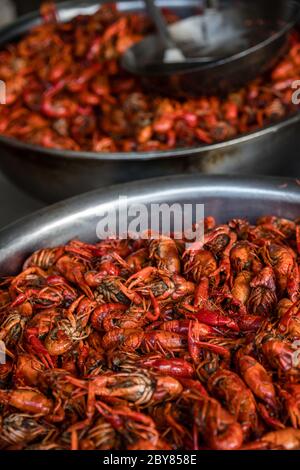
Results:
20 429
109 291
122 360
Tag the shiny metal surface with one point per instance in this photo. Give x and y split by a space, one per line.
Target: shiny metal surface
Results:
53 175
224 197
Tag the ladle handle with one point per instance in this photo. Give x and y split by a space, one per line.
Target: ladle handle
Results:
160 23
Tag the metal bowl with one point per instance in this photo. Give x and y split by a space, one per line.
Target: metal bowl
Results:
224 198
55 174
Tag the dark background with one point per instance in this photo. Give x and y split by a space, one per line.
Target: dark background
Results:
24 6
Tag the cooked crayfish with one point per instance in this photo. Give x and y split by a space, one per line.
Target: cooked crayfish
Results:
66 89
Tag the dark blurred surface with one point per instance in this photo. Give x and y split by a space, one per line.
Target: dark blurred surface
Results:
13 202
24 6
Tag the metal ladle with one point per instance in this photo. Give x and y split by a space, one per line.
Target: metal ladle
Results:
171 52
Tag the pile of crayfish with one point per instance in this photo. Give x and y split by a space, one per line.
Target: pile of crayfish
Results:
145 343
67 90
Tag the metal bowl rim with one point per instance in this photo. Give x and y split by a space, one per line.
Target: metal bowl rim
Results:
66 220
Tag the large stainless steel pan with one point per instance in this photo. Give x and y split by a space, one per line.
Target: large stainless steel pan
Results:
224 198
53 175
